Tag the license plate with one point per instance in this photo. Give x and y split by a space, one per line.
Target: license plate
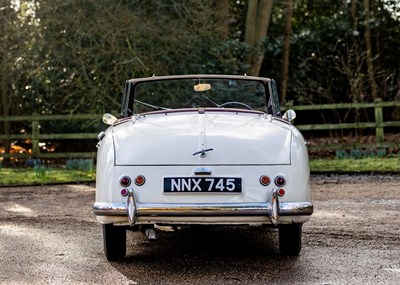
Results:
202 185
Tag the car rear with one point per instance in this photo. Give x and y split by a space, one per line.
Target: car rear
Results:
203 168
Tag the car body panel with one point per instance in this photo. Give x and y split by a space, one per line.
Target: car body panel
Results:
202 142
235 139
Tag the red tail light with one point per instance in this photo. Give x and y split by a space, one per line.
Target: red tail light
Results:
124 192
281 192
140 180
280 181
265 180
125 181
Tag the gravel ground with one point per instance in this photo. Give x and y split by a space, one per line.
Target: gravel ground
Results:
48 235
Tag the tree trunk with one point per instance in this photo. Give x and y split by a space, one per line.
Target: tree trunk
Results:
5 101
222 17
368 46
353 74
286 52
354 14
257 22
5 96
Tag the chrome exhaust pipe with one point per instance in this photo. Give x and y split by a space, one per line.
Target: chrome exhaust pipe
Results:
150 234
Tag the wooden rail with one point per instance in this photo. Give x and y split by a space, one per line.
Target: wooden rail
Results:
36 136
379 124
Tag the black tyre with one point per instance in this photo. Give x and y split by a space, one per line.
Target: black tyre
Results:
290 239
114 240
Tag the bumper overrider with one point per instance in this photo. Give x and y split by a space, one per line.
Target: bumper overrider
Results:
272 209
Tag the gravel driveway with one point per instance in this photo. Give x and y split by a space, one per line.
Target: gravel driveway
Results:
48 235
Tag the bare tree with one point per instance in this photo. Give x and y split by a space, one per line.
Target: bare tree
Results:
222 17
8 44
286 51
368 46
257 22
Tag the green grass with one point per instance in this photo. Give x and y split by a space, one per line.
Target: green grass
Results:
42 175
361 165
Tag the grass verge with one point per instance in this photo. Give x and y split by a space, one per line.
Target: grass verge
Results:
361 165
31 176
41 176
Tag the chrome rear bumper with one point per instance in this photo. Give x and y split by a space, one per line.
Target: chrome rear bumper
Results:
184 210
272 209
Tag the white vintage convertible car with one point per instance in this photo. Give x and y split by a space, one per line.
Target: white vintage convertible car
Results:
201 150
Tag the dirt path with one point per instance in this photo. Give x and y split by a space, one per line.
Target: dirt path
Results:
48 235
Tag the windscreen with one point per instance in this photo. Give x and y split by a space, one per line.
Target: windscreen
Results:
199 93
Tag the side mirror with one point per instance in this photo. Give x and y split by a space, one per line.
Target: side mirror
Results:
289 115
109 119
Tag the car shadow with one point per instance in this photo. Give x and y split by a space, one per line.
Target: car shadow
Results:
203 255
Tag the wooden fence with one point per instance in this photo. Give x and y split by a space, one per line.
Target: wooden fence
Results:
35 136
379 124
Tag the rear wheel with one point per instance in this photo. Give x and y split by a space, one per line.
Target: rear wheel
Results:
114 240
290 239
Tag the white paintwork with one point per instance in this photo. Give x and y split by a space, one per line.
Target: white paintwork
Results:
245 144
162 145
236 138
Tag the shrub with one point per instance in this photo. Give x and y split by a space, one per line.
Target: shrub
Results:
80 164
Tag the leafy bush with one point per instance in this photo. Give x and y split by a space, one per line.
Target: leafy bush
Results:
40 170
360 153
80 164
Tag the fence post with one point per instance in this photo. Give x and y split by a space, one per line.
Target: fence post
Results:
378 120
35 136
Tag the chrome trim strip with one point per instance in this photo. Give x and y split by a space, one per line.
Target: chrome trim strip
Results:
183 210
202 171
